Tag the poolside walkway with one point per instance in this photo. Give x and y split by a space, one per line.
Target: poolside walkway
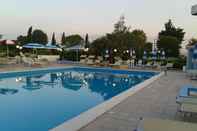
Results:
155 101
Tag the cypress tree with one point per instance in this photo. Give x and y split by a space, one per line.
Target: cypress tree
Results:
53 41
63 41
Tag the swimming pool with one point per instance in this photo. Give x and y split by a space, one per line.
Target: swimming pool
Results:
43 99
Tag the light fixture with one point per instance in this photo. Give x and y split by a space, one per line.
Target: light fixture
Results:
86 49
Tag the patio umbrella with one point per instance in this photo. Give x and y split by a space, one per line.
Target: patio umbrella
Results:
145 55
154 55
53 47
34 46
163 55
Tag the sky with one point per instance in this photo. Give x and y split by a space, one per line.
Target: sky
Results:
95 17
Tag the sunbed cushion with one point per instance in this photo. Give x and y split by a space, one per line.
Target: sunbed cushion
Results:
192 92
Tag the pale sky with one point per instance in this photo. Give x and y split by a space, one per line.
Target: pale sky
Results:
95 17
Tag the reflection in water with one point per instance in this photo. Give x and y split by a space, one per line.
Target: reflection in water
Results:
105 84
6 91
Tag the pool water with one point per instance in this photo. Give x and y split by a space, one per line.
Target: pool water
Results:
42 99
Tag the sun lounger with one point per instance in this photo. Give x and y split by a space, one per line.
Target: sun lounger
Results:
187 99
82 61
187 93
188 108
192 74
165 125
169 65
117 63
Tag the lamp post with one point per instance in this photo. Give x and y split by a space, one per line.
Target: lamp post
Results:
132 57
86 51
20 49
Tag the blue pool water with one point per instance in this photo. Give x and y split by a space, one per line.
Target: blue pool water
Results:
40 100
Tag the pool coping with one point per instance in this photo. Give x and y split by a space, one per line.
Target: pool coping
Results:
90 115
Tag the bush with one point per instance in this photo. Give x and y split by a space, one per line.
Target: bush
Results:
179 62
70 55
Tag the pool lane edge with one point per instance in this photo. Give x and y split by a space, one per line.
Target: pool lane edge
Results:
87 117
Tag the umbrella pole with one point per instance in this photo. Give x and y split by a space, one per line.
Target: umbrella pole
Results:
7 51
77 55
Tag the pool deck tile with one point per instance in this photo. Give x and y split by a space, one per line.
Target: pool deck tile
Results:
155 101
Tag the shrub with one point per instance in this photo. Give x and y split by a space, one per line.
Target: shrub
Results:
179 62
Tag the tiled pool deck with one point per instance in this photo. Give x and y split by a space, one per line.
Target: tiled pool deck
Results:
155 101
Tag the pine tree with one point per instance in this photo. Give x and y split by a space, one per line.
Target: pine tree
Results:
53 41
29 35
86 41
63 41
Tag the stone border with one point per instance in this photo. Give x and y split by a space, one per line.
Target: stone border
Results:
85 118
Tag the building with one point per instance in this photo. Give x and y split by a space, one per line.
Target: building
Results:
191 60
194 10
192 50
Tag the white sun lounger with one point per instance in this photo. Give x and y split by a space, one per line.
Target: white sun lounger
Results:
165 125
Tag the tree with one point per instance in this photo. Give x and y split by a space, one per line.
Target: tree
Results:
87 41
99 46
121 39
39 36
120 26
148 46
73 40
22 40
53 41
1 36
170 44
29 35
63 40
192 42
171 31
139 40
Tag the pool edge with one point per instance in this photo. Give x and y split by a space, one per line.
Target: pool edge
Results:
87 117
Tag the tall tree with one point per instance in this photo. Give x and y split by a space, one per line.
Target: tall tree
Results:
120 26
38 36
148 46
171 31
29 32
170 44
73 40
29 35
121 39
53 41
139 40
63 40
87 41
1 36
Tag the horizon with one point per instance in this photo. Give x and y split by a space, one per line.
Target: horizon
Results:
77 17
